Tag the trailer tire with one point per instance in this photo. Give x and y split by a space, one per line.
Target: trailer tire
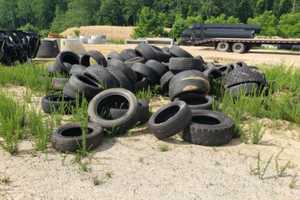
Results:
239 47
223 47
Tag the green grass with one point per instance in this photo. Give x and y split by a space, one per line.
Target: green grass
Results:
17 122
281 103
31 76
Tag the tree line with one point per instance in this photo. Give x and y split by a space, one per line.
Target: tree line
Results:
277 17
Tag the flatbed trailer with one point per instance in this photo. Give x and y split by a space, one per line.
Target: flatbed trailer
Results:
238 45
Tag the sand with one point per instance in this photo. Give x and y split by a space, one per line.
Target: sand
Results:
138 166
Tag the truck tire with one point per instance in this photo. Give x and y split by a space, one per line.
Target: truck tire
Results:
223 47
239 47
209 129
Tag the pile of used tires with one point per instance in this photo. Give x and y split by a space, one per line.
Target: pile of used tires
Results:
18 46
110 83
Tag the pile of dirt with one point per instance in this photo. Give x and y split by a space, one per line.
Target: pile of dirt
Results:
111 32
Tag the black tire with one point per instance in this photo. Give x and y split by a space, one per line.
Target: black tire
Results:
115 55
187 82
160 54
119 65
142 84
145 71
212 72
243 75
59 83
182 64
100 106
84 86
102 76
58 103
68 138
179 52
239 48
132 61
77 69
170 119
225 69
70 91
143 113
127 54
164 82
84 60
146 51
223 47
196 101
246 89
209 128
98 57
66 57
159 68
123 80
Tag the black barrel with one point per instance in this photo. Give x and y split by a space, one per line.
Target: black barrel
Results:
48 49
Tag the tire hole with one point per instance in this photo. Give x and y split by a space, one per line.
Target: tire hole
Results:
75 132
166 114
202 119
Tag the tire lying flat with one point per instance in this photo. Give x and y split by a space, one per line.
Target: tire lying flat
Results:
68 138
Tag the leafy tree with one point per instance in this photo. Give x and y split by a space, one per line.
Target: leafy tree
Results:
178 27
282 7
267 21
8 14
43 11
58 24
111 12
149 24
194 20
221 19
245 10
289 25
29 27
81 12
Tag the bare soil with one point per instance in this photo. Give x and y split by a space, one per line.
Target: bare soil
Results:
138 166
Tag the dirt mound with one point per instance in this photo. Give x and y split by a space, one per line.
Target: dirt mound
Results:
111 32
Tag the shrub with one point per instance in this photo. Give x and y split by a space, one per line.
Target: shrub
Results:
149 24
289 25
267 21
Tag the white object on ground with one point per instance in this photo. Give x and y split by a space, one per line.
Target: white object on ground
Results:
73 45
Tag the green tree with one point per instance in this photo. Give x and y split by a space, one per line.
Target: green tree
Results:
111 12
81 12
149 24
267 21
8 14
222 19
244 10
178 27
289 25
43 11
194 20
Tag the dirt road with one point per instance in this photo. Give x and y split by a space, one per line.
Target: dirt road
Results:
269 57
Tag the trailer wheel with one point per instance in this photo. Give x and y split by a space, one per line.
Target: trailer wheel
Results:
223 46
239 48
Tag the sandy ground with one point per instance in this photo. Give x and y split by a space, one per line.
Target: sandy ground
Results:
255 56
138 166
